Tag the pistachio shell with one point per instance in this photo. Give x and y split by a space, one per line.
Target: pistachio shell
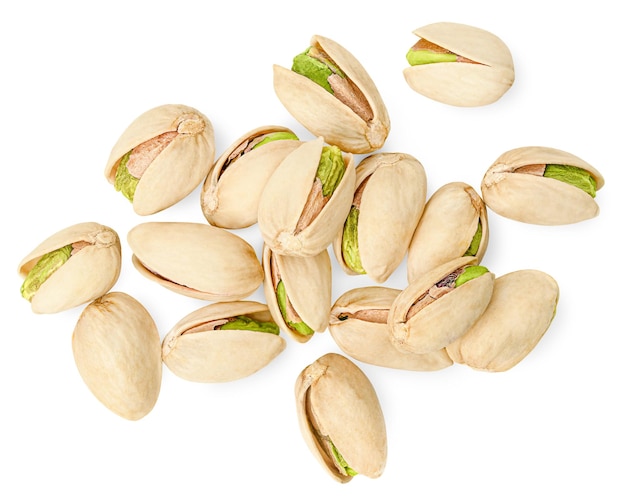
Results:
323 114
231 192
89 273
463 83
358 324
179 168
520 312
534 199
446 228
336 402
444 320
116 347
196 260
213 356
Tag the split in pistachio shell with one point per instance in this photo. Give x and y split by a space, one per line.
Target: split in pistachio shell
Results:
161 157
542 185
459 65
329 92
231 192
71 267
341 419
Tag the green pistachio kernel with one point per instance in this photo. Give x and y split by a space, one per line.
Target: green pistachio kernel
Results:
331 169
350 242
281 295
124 181
417 57
317 69
44 268
342 462
469 273
271 137
473 247
578 177
241 322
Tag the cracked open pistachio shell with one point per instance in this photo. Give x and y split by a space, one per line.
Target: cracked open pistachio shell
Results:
543 186
520 312
329 92
341 419
161 157
231 192
459 65
358 324
298 292
222 342
307 198
388 201
439 307
71 267
117 350
454 224
196 260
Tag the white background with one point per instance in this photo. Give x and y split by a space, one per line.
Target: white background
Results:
75 74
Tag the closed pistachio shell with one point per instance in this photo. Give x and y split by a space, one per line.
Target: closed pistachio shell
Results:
117 350
91 270
324 114
515 187
520 312
358 324
339 413
174 149
196 349
231 192
447 229
196 260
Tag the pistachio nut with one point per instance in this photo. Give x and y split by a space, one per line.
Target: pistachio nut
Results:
298 292
71 267
117 350
543 186
329 92
454 224
459 65
341 419
231 192
520 312
222 342
196 260
161 157
439 307
307 199
388 202
358 324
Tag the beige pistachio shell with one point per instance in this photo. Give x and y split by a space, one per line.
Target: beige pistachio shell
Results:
520 312
323 114
336 402
285 196
214 356
391 205
179 168
534 199
461 83
444 320
358 324
89 273
196 260
446 228
231 192
117 350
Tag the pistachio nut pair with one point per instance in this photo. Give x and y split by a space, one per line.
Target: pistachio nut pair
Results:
359 326
117 350
161 157
329 92
71 267
196 260
388 202
459 65
543 186
521 310
307 198
454 224
341 419
231 192
222 342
